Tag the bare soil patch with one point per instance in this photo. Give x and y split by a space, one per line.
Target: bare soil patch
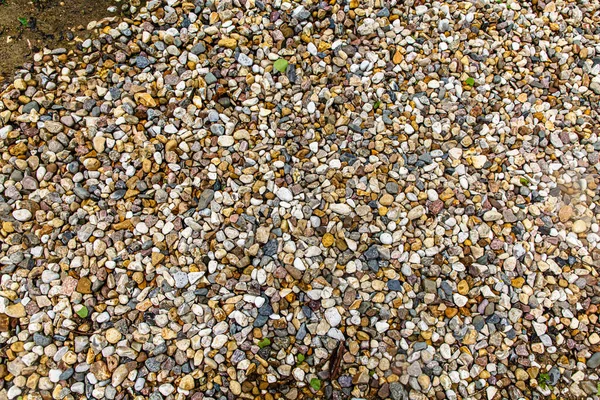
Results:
27 26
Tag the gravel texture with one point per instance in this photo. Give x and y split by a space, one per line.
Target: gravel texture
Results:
280 200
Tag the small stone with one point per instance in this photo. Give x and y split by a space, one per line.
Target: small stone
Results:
594 361
460 300
187 382
300 13
579 226
226 140
416 213
262 234
157 258
244 60
181 279
491 216
565 213
398 392
333 316
209 78
84 285
113 336
424 381
22 215
53 127
386 238
228 42
219 341
198 48
145 99
166 389
15 311
386 200
206 198
368 27
340 208
328 240
479 161
142 228
285 194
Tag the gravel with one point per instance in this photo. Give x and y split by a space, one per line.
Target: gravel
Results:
371 200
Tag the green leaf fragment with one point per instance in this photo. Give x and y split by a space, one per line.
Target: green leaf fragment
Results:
281 65
544 380
524 181
264 343
300 357
315 383
83 312
470 81
23 21
376 105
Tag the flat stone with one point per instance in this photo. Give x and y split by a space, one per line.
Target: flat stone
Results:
226 140
285 194
15 310
22 215
206 198
333 317
340 208
492 215
479 161
416 213
594 361
579 226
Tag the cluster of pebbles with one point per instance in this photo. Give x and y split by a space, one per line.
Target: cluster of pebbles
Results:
267 199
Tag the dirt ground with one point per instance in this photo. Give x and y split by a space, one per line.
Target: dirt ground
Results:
28 25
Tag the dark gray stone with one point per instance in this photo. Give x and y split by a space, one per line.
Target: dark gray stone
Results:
398 391
210 78
270 248
594 361
32 105
142 62
198 48
372 253
41 340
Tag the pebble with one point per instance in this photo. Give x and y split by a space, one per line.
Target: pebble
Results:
244 60
22 215
285 194
579 226
416 213
594 361
333 317
226 140
386 238
15 310
343 209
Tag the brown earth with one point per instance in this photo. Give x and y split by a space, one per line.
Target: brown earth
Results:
27 26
